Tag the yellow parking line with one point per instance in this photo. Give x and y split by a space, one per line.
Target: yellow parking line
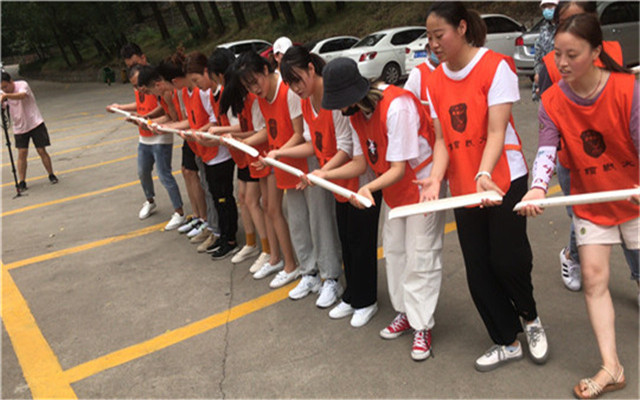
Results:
40 366
80 196
83 247
88 146
170 338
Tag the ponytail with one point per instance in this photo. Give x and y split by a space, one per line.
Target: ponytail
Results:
611 65
172 66
453 12
234 92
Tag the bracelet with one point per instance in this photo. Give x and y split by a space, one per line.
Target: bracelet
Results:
481 173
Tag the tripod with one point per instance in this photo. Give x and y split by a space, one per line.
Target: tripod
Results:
5 126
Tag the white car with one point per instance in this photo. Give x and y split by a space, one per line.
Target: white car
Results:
382 54
241 46
332 47
501 34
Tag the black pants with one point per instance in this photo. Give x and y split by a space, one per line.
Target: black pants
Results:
498 260
358 231
220 180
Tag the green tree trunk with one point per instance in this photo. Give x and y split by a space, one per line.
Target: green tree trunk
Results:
288 14
239 14
216 15
311 15
160 20
273 10
187 19
201 17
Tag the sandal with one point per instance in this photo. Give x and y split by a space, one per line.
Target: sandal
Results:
594 389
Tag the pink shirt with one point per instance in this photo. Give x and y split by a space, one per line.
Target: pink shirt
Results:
25 114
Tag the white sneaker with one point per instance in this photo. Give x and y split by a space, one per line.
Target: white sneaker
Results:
244 253
496 356
330 293
283 278
198 229
308 284
175 221
146 210
537 340
186 227
571 273
341 310
363 315
257 264
268 269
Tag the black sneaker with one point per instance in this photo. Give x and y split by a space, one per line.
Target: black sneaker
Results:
225 250
215 245
53 178
22 185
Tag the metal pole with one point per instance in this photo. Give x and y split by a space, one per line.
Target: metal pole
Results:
5 119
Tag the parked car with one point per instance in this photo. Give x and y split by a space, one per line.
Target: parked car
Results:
619 20
382 54
241 46
332 47
501 32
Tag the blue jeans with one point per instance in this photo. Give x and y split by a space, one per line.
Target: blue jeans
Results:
564 179
160 154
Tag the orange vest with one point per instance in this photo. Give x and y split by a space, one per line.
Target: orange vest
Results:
279 131
223 120
374 139
198 117
463 113
245 118
612 48
176 105
599 149
145 103
323 139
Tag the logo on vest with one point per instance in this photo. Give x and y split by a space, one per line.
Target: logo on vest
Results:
319 141
593 143
458 115
372 151
273 128
244 124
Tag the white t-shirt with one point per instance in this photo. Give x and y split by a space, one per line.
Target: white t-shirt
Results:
25 114
414 81
256 116
504 89
343 131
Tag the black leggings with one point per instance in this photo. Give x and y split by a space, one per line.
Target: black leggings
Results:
498 260
220 180
358 231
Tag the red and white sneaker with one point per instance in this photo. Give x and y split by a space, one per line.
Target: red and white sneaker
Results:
421 349
399 326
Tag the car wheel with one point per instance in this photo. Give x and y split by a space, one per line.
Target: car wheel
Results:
391 73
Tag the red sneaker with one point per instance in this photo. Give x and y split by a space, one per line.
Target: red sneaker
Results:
421 349
399 326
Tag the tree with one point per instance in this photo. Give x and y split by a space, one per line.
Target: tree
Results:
288 14
239 14
160 20
187 19
203 19
311 15
273 10
340 5
216 15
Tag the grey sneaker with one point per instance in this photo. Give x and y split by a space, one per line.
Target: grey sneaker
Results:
497 356
537 340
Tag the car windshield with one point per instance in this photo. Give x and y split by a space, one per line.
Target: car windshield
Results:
370 40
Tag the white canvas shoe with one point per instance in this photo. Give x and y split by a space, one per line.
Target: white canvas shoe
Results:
146 210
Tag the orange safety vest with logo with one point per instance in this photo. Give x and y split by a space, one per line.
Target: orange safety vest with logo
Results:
612 48
245 118
463 113
279 131
176 105
223 120
145 103
374 140
323 139
600 152
198 117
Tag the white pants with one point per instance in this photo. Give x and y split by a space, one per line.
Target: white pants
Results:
413 252
314 232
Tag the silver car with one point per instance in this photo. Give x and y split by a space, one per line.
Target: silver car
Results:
332 47
619 21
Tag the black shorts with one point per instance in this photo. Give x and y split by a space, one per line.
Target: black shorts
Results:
39 135
244 175
188 157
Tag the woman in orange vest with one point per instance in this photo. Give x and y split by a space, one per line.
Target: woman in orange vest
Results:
251 213
393 129
569 256
417 81
593 112
280 108
478 148
329 145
